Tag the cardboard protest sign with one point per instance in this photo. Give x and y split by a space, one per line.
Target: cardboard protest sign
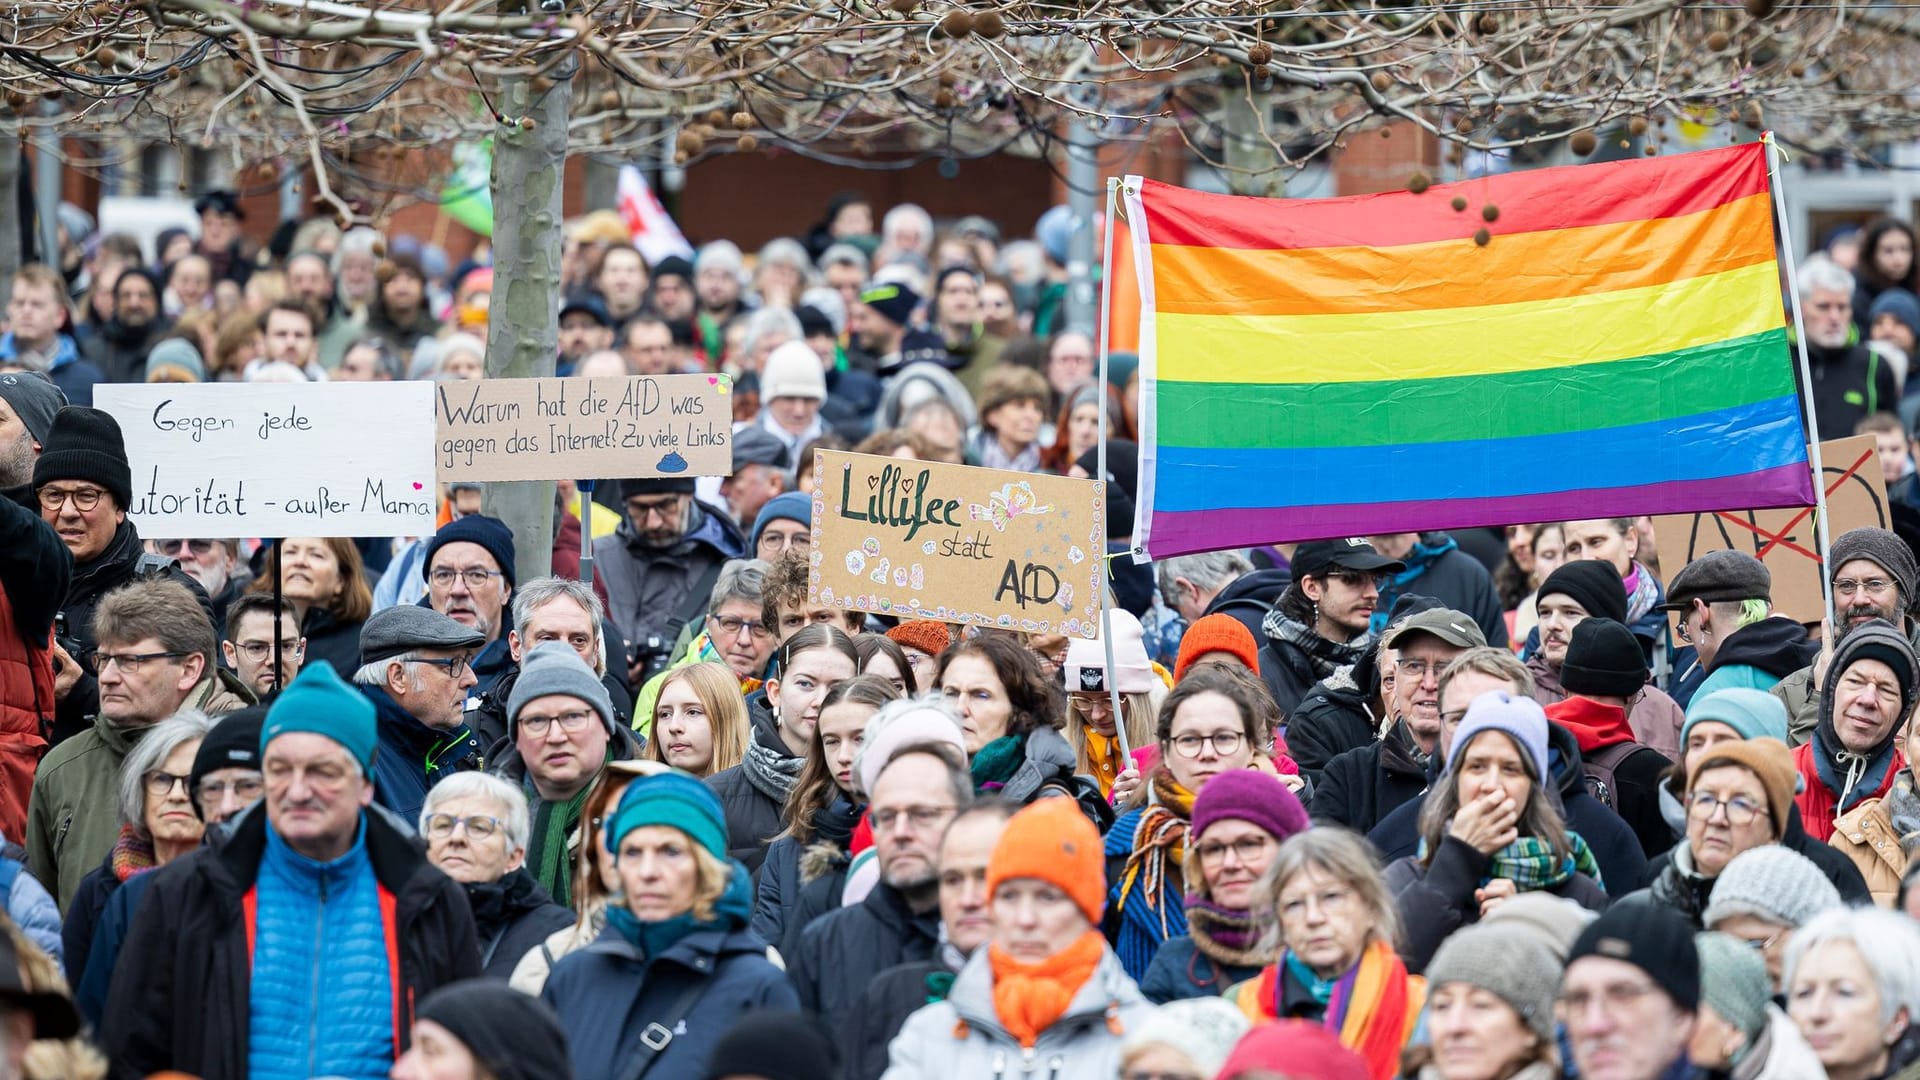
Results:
1785 539
928 540
278 459
584 429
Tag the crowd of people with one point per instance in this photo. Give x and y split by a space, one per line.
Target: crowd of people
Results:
1515 804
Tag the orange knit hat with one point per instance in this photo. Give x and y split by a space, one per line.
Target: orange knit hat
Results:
1053 841
1218 632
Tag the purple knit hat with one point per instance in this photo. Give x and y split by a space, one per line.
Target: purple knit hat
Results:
1251 796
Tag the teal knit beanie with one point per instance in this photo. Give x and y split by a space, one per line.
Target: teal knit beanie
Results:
321 702
1755 714
671 798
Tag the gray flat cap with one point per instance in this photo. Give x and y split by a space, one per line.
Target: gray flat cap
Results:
1719 577
403 628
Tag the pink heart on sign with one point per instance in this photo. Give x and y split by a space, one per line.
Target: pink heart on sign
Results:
713 380
417 485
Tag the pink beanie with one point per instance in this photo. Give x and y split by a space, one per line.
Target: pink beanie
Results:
1086 666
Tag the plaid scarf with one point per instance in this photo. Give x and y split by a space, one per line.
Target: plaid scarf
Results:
1323 656
1531 865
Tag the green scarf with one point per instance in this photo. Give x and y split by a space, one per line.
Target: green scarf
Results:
553 823
1530 864
995 763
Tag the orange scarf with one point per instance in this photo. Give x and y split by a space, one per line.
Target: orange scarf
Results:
1104 760
1029 998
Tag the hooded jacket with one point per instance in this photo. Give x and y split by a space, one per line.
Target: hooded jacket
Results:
788 869
963 1036
182 992
1834 780
647 586
1656 719
1758 656
511 916
1360 787
1615 849
1636 771
1436 567
120 351
1249 597
1871 836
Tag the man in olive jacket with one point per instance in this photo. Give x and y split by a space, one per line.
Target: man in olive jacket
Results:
299 946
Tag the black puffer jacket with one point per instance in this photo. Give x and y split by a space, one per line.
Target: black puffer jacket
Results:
1359 788
332 641
512 916
1437 899
789 868
845 950
181 990
753 815
883 1008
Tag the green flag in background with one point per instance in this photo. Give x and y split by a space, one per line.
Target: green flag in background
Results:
468 195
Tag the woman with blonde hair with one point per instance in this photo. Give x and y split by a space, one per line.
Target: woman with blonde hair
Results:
699 720
676 946
1091 728
1334 923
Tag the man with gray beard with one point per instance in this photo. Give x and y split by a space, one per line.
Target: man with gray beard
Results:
1850 381
35 568
1874 576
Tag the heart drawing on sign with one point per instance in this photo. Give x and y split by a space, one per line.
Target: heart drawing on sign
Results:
417 485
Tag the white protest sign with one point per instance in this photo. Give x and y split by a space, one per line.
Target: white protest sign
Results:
278 459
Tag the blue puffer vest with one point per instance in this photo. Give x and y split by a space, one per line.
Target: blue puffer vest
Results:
322 1001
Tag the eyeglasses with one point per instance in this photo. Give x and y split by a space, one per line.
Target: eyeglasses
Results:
1769 941
730 626
479 826
1223 743
475 577
1245 850
131 663
452 665
774 541
1740 809
246 789
1329 903
1417 669
200 548
921 817
1841 586
665 511
258 651
84 499
160 784
570 722
1358 579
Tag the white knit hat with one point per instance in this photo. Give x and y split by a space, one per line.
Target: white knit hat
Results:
1204 1029
1086 666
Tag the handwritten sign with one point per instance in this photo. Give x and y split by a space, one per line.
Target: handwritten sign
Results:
928 540
278 459
1785 539
570 429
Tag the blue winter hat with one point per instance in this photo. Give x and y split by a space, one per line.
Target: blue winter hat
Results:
787 506
320 702
1900 304
1755 714
671 798
1521 718
489 533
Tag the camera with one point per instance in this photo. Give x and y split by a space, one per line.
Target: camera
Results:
652 654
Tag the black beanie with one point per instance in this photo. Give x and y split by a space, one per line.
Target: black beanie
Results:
85 444
656 485
777 1046
893 302
490 533
1592 584
511 1035
1604 659
1652 938
234 743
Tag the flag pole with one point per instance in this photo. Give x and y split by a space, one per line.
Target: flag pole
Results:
1106 593
1806 379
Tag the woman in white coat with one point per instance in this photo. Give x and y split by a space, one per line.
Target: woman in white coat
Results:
1741 1033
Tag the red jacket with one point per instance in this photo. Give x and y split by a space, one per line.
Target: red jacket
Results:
35 570
1819 806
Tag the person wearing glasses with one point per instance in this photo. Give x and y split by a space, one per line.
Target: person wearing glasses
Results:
306 931
1209 726
1762 898
155 658
158 824
1630 995
563 733
1359 787
1873 576
84 487
416 670
476 830
1321 624
470 578
1739 797
250 641
784 524
735 632
1868 692
215 564
655 567
1490 830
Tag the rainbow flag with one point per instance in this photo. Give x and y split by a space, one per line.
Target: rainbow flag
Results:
1333 367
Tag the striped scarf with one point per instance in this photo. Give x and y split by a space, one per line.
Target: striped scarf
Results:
1373 1008
1531 865
1149 895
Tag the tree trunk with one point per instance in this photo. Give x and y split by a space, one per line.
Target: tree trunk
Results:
9 202
523 325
